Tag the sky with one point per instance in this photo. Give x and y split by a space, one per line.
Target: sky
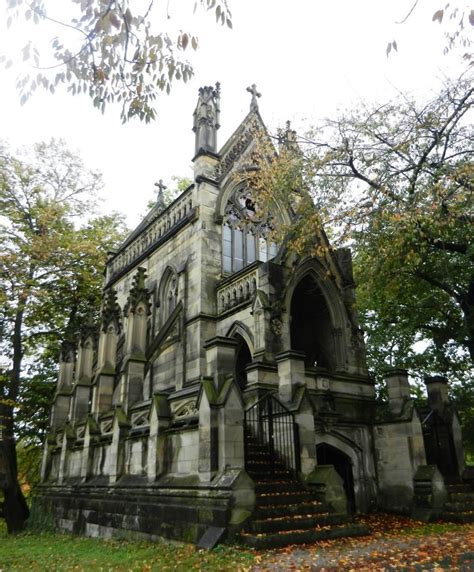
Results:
308 58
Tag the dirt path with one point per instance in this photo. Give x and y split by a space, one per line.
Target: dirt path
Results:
395 544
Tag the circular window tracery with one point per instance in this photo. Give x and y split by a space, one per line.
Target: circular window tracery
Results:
246 233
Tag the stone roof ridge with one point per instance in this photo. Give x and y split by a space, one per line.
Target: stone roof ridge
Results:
155 213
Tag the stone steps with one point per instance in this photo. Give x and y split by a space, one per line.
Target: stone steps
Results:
283 538
286 512
459 506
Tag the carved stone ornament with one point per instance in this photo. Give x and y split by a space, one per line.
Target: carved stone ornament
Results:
186 410
111 313
138 294
277 326
140 419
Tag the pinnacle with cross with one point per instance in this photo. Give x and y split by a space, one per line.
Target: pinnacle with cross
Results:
253 90
160 200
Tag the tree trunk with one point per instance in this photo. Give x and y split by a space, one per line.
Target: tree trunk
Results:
15 509
467 306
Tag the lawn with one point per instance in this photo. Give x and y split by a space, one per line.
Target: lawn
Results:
394 543
53 552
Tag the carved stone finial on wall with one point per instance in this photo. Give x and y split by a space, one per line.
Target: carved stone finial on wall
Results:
138 293
254 103
287 138
111 313
206 118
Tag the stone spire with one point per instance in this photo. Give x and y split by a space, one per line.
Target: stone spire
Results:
206 119
254 103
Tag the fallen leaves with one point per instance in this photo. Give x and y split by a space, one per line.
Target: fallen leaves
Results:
395 543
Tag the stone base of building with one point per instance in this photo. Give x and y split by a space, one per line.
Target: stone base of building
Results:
135 509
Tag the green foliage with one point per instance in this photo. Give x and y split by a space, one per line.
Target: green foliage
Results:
395 182
111 51
29 458
53 251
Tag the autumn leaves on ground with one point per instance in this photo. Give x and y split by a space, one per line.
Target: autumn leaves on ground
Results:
395 543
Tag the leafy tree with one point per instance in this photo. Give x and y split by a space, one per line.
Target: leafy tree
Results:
396 183
50 271
112 50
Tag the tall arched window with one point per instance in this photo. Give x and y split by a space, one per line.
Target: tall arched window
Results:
245 235
168 294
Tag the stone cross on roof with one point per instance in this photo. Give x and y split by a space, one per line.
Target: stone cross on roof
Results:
253 90
160 200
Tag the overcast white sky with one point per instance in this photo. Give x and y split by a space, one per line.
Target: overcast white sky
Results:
307 57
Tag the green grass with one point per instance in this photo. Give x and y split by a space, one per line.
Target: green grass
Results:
53 552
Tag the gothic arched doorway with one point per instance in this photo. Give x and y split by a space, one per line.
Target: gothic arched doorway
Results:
311 326
328 455
243 358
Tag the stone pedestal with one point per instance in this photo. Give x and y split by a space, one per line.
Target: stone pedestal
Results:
220 358
437 389
291 373
398 389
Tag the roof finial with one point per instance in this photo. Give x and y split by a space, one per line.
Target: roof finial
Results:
253 90
160 199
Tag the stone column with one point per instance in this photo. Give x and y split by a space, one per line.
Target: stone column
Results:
291 373
231 428
208 431
160 418
91 433
137 310
62 400
304 418
49 445
67 438
437 389
220 358
398 389
107 354
121 425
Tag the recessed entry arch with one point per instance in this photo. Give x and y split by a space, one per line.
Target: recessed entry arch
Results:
243 352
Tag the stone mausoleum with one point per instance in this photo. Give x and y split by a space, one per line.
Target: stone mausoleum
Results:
225 392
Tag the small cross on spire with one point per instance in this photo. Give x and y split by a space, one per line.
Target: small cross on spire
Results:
253 90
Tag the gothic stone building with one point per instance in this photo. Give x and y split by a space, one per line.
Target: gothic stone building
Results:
226 389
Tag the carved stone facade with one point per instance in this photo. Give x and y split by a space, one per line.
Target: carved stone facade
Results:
203 317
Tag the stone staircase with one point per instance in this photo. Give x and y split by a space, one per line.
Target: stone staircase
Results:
286 512
459 506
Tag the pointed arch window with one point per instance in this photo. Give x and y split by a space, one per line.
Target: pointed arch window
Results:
246 237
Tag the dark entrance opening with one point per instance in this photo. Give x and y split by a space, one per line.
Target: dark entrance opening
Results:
311 327
439 444
328 455
243 359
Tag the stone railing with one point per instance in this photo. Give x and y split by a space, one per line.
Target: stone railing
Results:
169 219
238 290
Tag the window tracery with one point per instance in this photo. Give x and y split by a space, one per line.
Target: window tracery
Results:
246 234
